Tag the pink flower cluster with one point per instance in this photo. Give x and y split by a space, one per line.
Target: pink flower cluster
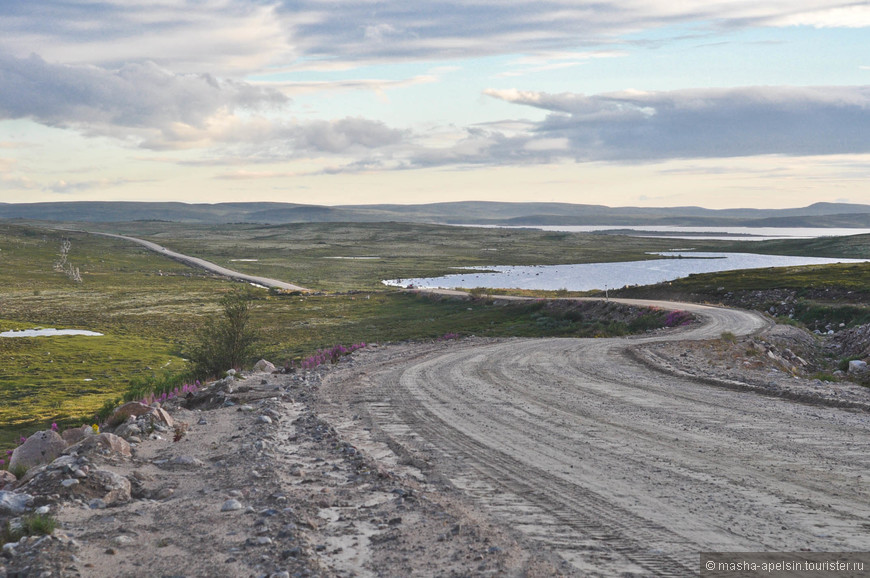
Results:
331 355
678 318
175 393
448 336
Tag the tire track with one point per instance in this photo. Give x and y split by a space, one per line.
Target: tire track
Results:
620 469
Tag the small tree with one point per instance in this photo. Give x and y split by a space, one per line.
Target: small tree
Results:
226 341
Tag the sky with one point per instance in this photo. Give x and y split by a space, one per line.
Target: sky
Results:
714 103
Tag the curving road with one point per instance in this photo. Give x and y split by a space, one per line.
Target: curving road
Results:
207 265
615 467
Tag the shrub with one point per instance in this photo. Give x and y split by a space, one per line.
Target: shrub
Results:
31 525
227 341
728 337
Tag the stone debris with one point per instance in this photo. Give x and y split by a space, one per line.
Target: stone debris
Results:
297 500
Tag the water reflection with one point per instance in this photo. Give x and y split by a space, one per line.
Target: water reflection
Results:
588 276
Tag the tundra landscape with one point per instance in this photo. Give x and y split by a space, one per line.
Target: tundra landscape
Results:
378 431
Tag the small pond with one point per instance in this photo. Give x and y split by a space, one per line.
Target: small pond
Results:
589 276
48 332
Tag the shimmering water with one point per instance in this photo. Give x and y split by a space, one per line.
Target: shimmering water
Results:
588 276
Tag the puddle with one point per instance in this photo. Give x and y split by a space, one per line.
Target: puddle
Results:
48 333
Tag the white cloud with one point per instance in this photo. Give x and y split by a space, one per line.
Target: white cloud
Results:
218 36
237 37
702 123
142 102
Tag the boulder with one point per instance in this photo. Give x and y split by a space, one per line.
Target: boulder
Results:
264 366
74 435
40 448
14 504
133 408
857 366
103 443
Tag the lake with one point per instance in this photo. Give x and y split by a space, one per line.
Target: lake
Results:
712 233
589 276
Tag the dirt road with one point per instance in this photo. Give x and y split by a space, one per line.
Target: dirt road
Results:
616 467
207 265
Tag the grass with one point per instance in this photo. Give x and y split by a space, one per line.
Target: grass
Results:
340 257
30 525
149 308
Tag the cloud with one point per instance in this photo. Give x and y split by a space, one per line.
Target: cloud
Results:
221 37
66 187
445 29
701 123
546 61
10 178
134 101
238 37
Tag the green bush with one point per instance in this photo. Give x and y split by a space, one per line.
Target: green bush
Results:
31 525
227 341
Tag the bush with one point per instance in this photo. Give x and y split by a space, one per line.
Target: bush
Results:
227 341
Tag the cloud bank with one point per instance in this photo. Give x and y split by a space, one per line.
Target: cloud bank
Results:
700 123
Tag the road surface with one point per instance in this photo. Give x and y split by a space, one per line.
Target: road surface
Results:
207 265
617 468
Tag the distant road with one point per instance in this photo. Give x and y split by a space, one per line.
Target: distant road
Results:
207 265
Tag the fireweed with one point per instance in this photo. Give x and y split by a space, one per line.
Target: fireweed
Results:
331 355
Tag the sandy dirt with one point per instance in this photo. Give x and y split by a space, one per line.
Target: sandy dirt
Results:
612 464
477 457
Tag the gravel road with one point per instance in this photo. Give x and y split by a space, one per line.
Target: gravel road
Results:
207 265
614 466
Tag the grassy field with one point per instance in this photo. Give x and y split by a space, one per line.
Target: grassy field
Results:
148 307
346 257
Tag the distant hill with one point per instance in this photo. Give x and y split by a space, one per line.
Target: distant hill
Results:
465 212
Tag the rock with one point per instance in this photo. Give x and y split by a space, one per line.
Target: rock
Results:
264 419
40 448
231 505
74 435
133 408
69 482
128 430
162 416
104 443
114 487
189 461
264 366
857 366
6 477
14 504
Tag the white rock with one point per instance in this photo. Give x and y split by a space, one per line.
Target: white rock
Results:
856 365
14 503
231 505
264 366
